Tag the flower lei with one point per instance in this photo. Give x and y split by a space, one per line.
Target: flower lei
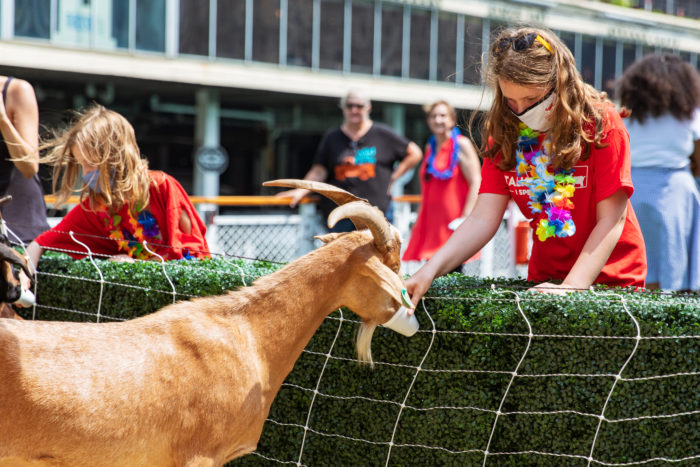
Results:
454 157
550 193
145 230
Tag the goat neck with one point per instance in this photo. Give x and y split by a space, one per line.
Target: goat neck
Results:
286 308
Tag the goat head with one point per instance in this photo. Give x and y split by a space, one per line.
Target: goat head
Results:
359 211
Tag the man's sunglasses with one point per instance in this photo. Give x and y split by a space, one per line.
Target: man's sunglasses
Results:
520 43
355 106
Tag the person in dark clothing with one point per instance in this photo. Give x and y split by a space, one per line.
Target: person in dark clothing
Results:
361 157
25 215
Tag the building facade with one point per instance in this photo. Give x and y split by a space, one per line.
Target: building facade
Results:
261 78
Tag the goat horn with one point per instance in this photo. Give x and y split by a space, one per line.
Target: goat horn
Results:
335 194
371 216
5 199
12 256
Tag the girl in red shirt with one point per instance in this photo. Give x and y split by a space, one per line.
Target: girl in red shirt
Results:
122 204
558 148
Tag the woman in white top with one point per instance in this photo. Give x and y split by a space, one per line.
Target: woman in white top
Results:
663 94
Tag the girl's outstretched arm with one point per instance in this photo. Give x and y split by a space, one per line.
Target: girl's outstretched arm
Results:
470 237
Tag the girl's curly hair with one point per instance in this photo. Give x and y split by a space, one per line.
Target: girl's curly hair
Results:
107 141
577 105
657 85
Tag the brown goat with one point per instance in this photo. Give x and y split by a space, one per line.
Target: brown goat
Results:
191 384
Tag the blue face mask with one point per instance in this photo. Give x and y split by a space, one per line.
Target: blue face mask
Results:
91 178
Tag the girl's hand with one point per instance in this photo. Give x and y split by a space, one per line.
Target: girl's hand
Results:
122 259
417 285
25 284
550 288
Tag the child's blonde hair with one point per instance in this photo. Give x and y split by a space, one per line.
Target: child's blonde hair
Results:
576 103
107 142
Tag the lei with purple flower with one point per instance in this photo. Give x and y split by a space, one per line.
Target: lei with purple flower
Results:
145 229
550 193
454 157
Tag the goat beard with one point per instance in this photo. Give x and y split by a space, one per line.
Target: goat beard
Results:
364 343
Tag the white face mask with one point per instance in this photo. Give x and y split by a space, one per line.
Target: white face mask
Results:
537 115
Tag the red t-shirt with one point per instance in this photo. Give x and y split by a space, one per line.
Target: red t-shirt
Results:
120 233
598 177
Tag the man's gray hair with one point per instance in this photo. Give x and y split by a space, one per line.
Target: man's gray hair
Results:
357 94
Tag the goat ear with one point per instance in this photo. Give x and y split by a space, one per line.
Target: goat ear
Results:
384 277
329 237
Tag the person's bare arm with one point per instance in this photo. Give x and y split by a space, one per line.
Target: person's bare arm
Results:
471 170
412 158
19 125
317 173
695 159
610 220
470 237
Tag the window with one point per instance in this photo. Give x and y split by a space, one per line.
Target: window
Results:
609 55
266 30
392 40
331 54
150 25
659 5
194 27
588 59
230 28
419 65
688 8
361 54
299 32
32 18
447 47
629 55
120 24
473 40
569 40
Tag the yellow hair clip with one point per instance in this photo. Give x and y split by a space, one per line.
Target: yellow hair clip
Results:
544 43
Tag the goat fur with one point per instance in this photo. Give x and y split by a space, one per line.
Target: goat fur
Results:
189 385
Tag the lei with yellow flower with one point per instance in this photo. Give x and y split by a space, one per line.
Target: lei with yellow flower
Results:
550 192
145 229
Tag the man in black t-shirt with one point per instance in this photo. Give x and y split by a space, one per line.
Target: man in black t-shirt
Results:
359 157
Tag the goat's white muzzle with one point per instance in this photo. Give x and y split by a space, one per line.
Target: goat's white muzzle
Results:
402 322
27 298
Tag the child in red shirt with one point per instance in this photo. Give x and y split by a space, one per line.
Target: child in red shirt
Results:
558 148
125 209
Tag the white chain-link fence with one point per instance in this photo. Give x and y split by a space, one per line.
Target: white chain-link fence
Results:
281 237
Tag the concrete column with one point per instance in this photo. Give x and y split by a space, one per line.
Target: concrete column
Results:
206 135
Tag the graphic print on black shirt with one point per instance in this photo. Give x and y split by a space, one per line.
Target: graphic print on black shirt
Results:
362 167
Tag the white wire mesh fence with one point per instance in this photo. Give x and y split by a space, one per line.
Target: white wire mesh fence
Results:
596 420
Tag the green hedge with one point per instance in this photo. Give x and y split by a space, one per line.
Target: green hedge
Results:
352 420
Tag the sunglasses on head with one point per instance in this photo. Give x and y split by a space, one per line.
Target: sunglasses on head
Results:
520 43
